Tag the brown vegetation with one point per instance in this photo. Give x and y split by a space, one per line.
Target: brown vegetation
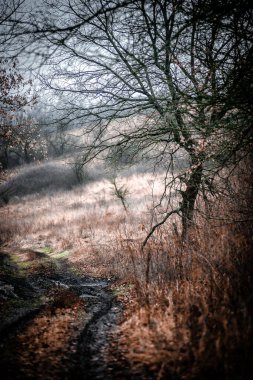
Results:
46 344
191 312
188 306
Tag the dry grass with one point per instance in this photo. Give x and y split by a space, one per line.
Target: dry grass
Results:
59 326
193 319
189 314
89 221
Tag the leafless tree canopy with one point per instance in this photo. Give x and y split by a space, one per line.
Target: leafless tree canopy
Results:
169 70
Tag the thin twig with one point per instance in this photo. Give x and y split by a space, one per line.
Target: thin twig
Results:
176 211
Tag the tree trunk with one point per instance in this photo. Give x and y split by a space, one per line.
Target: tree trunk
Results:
189 197
6 158
26 154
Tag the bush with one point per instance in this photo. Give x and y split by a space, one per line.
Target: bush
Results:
46 177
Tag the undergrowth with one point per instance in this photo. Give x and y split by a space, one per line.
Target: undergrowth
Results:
188 306
190 315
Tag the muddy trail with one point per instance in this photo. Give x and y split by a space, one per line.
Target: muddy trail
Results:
55 323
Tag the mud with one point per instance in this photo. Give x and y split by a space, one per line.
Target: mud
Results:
55 324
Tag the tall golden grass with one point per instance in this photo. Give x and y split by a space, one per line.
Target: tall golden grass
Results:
87 221
188 313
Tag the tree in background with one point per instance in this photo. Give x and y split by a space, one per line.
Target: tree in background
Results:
160 75
18 133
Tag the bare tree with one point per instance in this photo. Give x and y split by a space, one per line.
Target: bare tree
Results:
18 134
156 74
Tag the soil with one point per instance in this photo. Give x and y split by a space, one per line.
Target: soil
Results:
55 323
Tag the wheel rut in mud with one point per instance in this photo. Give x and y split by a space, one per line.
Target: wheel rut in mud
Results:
62 336
91 363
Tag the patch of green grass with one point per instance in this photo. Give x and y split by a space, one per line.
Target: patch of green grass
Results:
15 258
12 268
60 255
36 266
20 267
46 250
24 266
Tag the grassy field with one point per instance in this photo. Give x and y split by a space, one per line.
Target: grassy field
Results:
188 306
88 221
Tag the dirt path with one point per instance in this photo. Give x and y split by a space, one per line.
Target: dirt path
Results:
55 322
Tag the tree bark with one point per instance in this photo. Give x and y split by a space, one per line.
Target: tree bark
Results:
189 198
6 158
